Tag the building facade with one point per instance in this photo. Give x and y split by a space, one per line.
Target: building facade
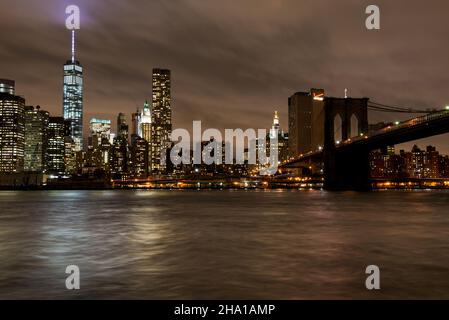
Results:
99 129
306 122
119 155
73 101
36 124
414 164
12 128
161 125
58 129
139 157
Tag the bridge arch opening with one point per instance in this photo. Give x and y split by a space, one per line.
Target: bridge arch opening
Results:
354 130
338 129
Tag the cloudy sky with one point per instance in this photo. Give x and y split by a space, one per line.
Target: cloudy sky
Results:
233 62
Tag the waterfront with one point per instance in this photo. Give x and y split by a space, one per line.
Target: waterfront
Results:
224 244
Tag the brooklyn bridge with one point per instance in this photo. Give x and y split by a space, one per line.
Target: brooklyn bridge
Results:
345 159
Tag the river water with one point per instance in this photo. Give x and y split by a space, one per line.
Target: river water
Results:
224 244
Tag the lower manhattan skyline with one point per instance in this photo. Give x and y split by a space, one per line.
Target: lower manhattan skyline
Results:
205 159
271 59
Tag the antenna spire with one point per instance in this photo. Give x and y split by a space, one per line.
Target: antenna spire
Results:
73 46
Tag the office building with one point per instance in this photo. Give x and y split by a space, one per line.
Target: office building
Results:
119 154
161 124
282 143
73 97
36 124
12 128
58 129
99 129
142 128
306 122
139 157
122 126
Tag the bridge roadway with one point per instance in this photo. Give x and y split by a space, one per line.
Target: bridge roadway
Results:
346 164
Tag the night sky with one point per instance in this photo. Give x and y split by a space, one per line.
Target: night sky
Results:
233 62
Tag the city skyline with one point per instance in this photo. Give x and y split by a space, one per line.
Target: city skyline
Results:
249 153
235 82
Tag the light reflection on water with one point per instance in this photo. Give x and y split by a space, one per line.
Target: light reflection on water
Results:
224 244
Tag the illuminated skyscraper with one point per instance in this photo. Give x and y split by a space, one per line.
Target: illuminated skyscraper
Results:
282 143
142 129
36 124
276 126
139 157
73 97
12 128
119 150
56 145
161 125
99 129
144 126
142 122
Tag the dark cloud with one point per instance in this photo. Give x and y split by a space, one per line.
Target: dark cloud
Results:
233 62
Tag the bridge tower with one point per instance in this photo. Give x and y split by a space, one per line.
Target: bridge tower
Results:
345 118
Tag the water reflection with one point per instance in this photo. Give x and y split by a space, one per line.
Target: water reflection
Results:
223 244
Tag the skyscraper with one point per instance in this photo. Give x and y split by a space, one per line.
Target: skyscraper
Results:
139 157
58 128
99 129
122 126
12 128
119 150
306 121
144 125
142 122
161 125
282 142
36 124
73 97
142 129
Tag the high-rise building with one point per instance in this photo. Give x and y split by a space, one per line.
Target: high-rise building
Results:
306 121
98 153
119 150
432 163
73 97
72 159
135 118
139 157
276 124
99 129
58 129
161 124
142 128
282 143
12 128
142 122
122 126
36 124
119 158
7 86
